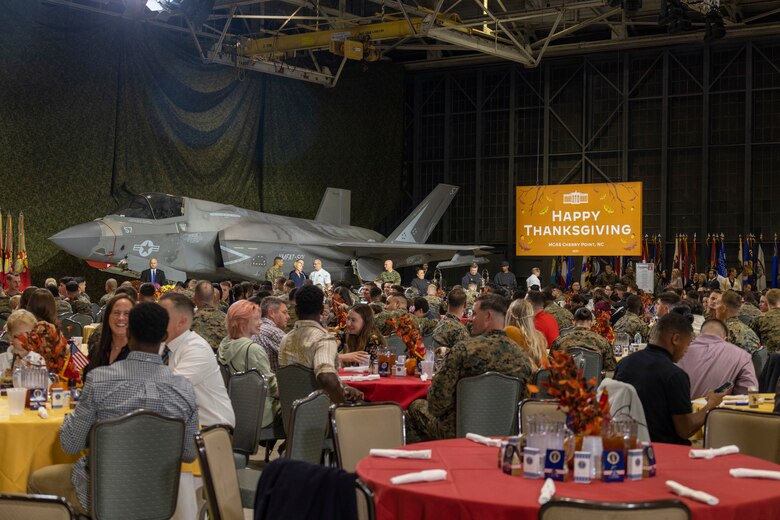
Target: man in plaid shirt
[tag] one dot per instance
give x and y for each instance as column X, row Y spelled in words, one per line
column 275, row 318
column 140, row 381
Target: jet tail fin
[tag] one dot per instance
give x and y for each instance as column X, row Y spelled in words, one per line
column 335, row 207
column 419, row 225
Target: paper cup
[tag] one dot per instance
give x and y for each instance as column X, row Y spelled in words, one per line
column 16, row 399
column 427, row 368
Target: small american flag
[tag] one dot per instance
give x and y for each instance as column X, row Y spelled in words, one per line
column 77, row 359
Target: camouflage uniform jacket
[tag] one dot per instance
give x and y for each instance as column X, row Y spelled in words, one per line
column 628, row 280
column 742, row 336
column 104, row 299
column 747, row 313
column 293, row 316
column 767, row 327
column 582, row 337
column 391, row 276
column 449, row 331
column 209, row 324
column 606, row 279
column 434, row 303
column 85, row 298
column 631, row 324
column 273, row 273
column 5, row 306
column 564, row 318
column 492, row 351
column 63, row 307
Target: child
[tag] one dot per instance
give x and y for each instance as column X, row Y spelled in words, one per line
column 19, row 323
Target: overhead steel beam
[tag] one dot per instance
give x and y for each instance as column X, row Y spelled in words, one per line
column 482, row 45
column 276, row 68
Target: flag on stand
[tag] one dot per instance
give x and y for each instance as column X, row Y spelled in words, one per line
column 569, row 271
column 722, row 257
column 2, row 254
column 22, row 267
column 8, row 256
column 713, row 242
column 645, row 251
column 775, row 281
column 685, row 262
column 585, row 273
column 694, row 262
column 748, row 273
column 659, row 254
column 676, row 261
column 741, row 259
column 555, row 271
column 760, row 266
column 74, row 363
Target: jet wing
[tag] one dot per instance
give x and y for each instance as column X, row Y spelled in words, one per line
column 404, row 254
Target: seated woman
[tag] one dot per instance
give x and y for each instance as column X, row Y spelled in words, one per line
column 361, row 339
column 43, row 306
column 19, row 323
column 239, row 353
column 111, row 345
column 520, row 329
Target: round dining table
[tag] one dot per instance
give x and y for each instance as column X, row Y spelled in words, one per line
column 475, row 488
column 401, row 390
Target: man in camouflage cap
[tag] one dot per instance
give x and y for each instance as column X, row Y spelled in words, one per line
column 632, row 321
column 564, row 318
column 739, row 334
column 450, row 330
column 582, row 336
column 767, row 326
column 490, row 350
column 208, row 321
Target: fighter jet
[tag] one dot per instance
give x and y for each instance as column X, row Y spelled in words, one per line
column 193, row 238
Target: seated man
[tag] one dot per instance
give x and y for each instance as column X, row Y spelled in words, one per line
column 140, row 381
column 275, row 318
column 489, row 350
column 739, row 334
column 662, row 386
column 450, row 330
column 632, row 323
column 712, row 361
column 208, row 321
column 582, row 336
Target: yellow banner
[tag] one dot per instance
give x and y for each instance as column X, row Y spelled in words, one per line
column 579, row 219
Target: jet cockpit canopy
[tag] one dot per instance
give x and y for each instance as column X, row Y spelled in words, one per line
column 152, row 206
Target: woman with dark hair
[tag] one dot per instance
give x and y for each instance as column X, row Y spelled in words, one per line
column 25, row 299
column 362, row 339
column 43, row 306
column 111, row 344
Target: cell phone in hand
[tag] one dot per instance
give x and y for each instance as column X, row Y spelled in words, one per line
column 724, row 387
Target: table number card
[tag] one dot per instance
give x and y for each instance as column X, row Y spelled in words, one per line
column 512, row 461
column 532, row 464
column 582, row 467
column 635, row 464
column 614, row 466
column 648, row 469
column 56, row 398
column 555, row 465
column 37, row 398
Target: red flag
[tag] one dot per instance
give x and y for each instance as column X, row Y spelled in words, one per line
column 694, row 263
column 22, row 267
column 8, row 256
column 2, row 254
column 685, row 273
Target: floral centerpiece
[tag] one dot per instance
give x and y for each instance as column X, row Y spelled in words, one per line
column 159, row 291
column 47, row 341
column 407, row 329
column 577, row 398
column 603, row 326
column 337, row 305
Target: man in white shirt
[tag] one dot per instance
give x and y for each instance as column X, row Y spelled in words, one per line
column 534, row 279
column 319, row 276
column 190, row 355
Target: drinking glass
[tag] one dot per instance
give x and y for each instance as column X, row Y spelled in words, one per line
column 16, row 398
column 427, row 368
column 545, row 434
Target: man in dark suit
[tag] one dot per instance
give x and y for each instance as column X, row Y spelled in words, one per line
column 153, row 275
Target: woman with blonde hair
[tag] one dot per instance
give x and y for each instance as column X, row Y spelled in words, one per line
column 520, row 329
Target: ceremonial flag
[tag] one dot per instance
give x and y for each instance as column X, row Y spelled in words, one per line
column 676, row 261
column 659, row 254
column 22, row 267
column 722, row 257
column 645, row 252
column 75, row 362
column 741, row 259
column 748, row 274
column 2, row 255
column 713, row 252
column 569, row 271
column 685, row 262
column 760, row 266
column 585, row 273
column 775, row 281
column 555, row 271
column 694, row 261
column 8, row 257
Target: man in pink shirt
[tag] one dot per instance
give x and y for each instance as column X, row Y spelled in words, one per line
column 711, row 361
column 543, row 321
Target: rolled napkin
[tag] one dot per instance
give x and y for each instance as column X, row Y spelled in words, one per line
column 487, row 441
column 42, row 413
column 400, row 454
column 754, row 473
column 362, row 368
column 714, row 452
column 429, row 475
column 368, row 377
column 738, row 397
column 423, row 377
column 548, row 490
column 683, row 491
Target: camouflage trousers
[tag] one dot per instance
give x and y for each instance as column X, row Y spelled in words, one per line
column 423, row 426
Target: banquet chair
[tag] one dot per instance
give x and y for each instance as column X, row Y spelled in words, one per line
column 366, row 510
column 487, row 404
column 542, row 376
column 135, row 465
column 227, row 491
column 295, row 382
column 71, row 327
column 591, row 361
column 359, row 427
column 756, row 434
column 83, row 319
column 760, row 358
column 39, row 507
column 95, row 310
column 248, row 391
column 568, row 508
column 396, row 345
column 534, row 406
column 308, row 427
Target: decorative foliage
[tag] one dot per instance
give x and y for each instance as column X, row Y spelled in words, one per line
column 406, row 328
column 158, row 293
column 603, row 326
column 337, row 305
column 47, row 341
column 576, row 397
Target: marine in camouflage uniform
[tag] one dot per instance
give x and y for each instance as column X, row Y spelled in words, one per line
column 390, row 276
column 564, row 318
column 209, row 323
column 79, row 306
column 63, row 307
column 605, row 279
column 586, row 338
column 631, row 324
column 767, row 327
column 293, row 316
column 747, row 313
column 434, row 304
column 104, row 299
column 434, row 418
column 5, row 306
column 471, row 297
column 85, row 298
column 273, row 273
column 742, row 336
column 449, row 331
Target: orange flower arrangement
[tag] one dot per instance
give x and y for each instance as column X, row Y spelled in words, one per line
column 341, row 315
column 603, row 326
column 576, row 397
column 159, row 291
column 406, row 328
column 47, row 341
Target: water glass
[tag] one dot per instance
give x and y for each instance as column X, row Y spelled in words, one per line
column 427, row 368
column 16, row 400
column 545, row 434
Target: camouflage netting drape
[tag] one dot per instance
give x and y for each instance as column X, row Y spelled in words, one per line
column 93, row 108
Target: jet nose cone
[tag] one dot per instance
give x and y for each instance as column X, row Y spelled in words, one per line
column 80, row 240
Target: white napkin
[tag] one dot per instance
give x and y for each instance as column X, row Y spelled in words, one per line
column 487, row 441
column 423, row 377
column 754, row 473
column 548, row 490
column 713, row 452
column 740, row 397
column 400, row 454
column 683, row 491
column 429, row 475
column 42, row 413
column 369, row 377
column 362, row 368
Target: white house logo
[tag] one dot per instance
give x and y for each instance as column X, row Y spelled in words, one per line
column 555, row 456
column 575, row 197
column 146, row 248
column 613, row 458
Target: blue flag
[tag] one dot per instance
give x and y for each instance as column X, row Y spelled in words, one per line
column 722, row 259
column 569, row 272
column 775, row 267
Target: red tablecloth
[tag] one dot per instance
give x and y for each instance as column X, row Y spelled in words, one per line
column 401, row 390
column 475, row 488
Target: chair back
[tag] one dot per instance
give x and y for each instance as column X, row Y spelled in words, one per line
column 359, row 427
column 225, row 371
column 295, row 382
column 548, row 407
column 542, row 376
column 487, row 404
column 429, row 342
column 215, row 454
column 760, row 358
column 71, row 327
column 308, row 426
column 396, row 345
column 38, row 507
column 247, row 391
column 83, row 319
column 95, row 308
column 756, row 434
column 365, row 501
column 568, row 508
column 590, row 361
column 135, row 463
